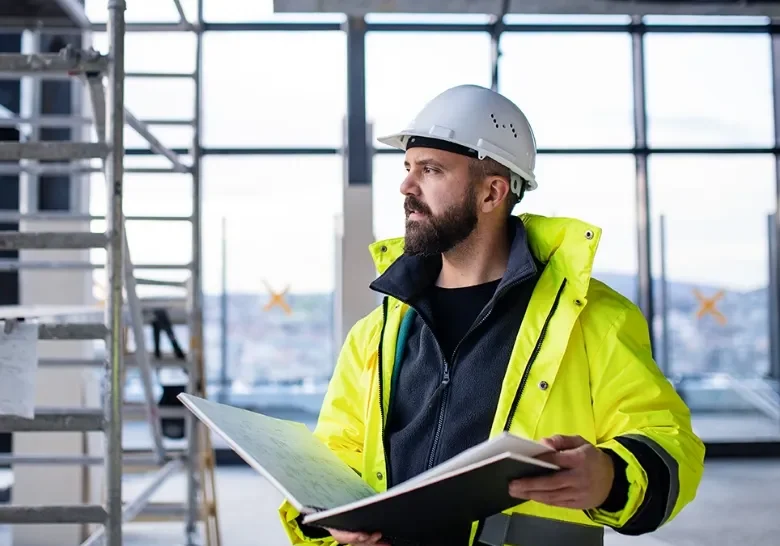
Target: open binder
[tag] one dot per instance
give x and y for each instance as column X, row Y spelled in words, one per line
column 469, row 487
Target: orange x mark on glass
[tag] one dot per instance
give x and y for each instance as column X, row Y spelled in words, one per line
column 708, row 306
column 277, row 298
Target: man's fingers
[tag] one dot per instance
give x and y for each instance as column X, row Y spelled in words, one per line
column 355, row 539
column 565, row 498
column 523, row 487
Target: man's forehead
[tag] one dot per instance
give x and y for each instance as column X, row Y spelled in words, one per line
column 426, row 156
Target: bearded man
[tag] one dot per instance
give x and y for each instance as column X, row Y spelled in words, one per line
column 492, row 322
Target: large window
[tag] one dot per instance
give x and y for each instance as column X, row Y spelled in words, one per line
column 575, row 89
column 712, row 293
column 709, row 90
column 274, row 89
column 279, row 213
column 268, row 237
column 404, row 70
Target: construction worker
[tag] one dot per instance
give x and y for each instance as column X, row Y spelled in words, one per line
column 492, row 322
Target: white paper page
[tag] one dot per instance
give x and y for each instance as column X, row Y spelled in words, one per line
column 285, row 452
column 18, row 368
column 504, row 443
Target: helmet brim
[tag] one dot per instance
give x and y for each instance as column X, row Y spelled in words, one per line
column 398, row 141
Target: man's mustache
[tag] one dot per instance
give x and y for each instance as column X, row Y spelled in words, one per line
column 412, row 204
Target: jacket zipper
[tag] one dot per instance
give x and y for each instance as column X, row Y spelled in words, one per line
column 446, row 378
column 532, row 358
column 381, row 390
column 442, row 409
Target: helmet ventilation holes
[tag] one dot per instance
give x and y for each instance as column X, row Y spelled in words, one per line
column 511, row 125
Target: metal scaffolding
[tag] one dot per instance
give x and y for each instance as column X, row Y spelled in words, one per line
column 103, row 76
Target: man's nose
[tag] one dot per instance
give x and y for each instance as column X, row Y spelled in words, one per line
column 409, row 185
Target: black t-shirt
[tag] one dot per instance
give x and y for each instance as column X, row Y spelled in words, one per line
column 454, row 311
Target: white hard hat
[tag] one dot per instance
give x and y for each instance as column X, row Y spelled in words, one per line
column 483, row 122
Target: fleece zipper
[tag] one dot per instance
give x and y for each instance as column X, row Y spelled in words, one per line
column 446, row 376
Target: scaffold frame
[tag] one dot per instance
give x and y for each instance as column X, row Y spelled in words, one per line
column 103, row 76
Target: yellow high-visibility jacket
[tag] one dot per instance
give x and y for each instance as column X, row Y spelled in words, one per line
column 593, row 376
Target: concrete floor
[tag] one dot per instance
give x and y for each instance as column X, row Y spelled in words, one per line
column 738, row 503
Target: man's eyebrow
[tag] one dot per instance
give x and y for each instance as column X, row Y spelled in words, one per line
column 425, row 161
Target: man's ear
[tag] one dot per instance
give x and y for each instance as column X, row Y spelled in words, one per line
column 498, row 190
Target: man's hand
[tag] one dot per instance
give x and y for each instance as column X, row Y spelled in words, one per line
column 357, row 539
column 583, row 482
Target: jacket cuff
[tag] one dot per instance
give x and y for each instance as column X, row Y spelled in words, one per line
column 652, row 512
column 618, row 494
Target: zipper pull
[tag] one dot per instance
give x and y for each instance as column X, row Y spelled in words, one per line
column 446, row 379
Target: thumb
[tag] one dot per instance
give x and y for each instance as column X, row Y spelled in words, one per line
column 560, row 442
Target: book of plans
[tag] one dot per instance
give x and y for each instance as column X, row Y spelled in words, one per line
column 468, row 487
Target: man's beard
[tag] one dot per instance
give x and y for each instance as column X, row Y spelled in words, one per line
column 434, row 235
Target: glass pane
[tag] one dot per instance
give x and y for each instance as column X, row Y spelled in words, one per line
column 169, row 136
column 164, row 194
column 599, row 190
column 144, row 11
column 279, row 231
column 389, row 172
column 232, row 11
column 716, row 311
column 158, row 52
column 151, row 242
column 295, row 97
column 160, row 243
column 160, row 98
column 573, row 186
column 709, row 90
column 574, row 88
column 405, row 70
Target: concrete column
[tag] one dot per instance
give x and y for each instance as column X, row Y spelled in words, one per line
column 58, row 387
column 354, row 230
column 354, row 267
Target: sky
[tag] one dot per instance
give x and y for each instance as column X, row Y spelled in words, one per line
column 274, row 89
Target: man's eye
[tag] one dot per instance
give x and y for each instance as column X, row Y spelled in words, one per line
column 430, row 170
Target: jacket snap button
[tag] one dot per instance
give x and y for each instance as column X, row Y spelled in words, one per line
column 543, row 385
column 383, row 249
column 378, row 475
column 577, row 302
column 589, row 234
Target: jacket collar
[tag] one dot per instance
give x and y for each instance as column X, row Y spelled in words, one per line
column 567, row 244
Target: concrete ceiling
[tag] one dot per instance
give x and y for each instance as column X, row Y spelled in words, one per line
column 767, row 8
